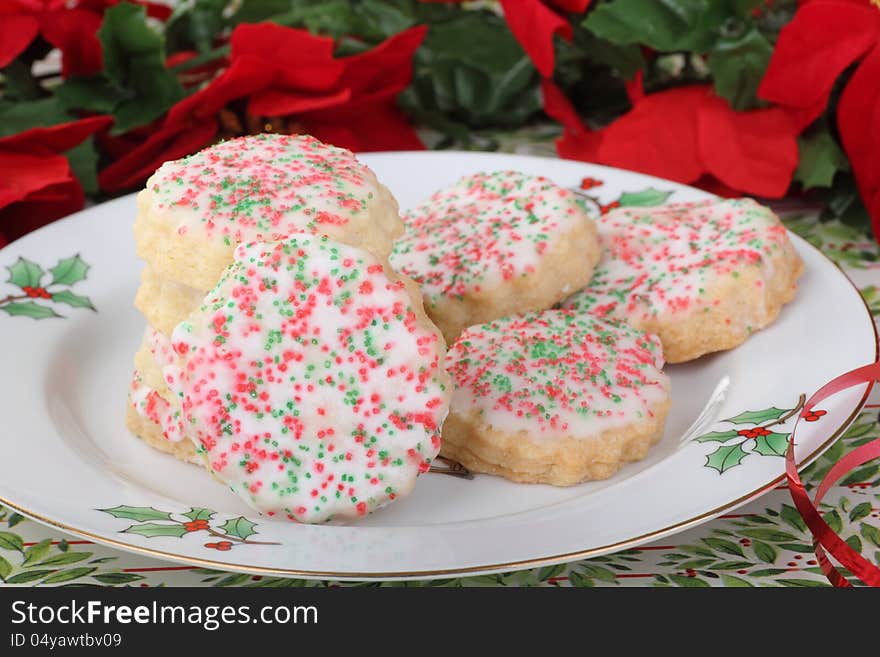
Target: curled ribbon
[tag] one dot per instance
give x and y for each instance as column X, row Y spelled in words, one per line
column 825, row 538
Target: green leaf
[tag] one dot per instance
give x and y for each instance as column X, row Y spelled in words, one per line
column 803, row 583
column 71, row 299
column 597, row 572
column 730, row 580
column 5, row 568
column 20, row 83
column 767, row 572
column 10, row 541
column 37, row 552
column 732, row 565
column 671, row 25
column 771, row 535
column 726, row 457
column 765, row 552
column 28, row 576
column 197, row 513
column 834, row 521
column 117, row 578
column 773, row 444
column 21, row 116
column 29, row 309
column 14, row 519
column 94, row 93
column 645, row 198
column 723, row 545
column 580, row 581
column 791, row 516
column 138, row 513
column 820, row 159
column 240, row 527
column 689, row 582
column 860, row 511
column 855, row 543
column 67, row 575
column 870, row 532
column 717, row 436
column 196, row 24
column 757, row 417
column 547, row 572
column 738, row 63
column 232, row 580
column 134, row 60
column 25, row 273
column 66, row 558
column 153, row 529
column 83, row 160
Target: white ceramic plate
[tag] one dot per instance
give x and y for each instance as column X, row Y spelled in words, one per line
column 67, row 460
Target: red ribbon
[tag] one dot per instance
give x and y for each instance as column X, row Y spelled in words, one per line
column 825, row 538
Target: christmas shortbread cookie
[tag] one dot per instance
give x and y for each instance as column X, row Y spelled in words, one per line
column 555, row 397
column 494, row 244
column 194, row 211
column 701, row 276
column 310, row 380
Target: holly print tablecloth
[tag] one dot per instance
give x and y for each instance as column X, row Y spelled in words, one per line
column 765, row 543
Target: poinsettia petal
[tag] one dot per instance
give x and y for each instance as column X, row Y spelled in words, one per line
column 274, row 102
column 858, row 114
column 300, row 59
column 534, row 25
column 823, row 38
column 658, row 136
column 383, row 128
column 75, row 33
column 168, row 144
column 56, row 138
column 22, row 174
column 577, row 142
column 16, row 34
column 754, row 151
column 41, row 208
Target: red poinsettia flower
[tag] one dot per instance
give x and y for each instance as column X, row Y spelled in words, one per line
column 534, row 23
column 72, row 30
column 823, row 39
column 690, row 135
column 285, row 72
column 36, row 183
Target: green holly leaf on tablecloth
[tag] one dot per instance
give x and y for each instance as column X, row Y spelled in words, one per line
column 68, row 575
column 66, row 558
column 74, row 300
column 69, row 271
column 773, row 444
column 197, row 513
column 138, row 513
column 10, row 541
column 820, row 159
column 154, row 529
column 726, row 457
column 717, row 436
column 240, row 527
column 5, row 568
column 29, row 309
column 36, row 552
column 738, row 62
column 25, row 273
column 757, row 417
column 117, row 578
column 643, row 199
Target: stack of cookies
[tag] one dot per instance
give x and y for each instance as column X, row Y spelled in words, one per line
column 275, row 247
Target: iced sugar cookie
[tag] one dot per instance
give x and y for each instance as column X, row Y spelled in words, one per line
column 494, row 244
column 702, row 276
column 194, row 211
column 555, row 397
column 311, row 380
column 154, row 416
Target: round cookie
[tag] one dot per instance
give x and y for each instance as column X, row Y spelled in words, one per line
column 311, row 381
column 495, row 244
column 554, row 397
column 165, row 302
column 194, row 211
column 701, row 276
